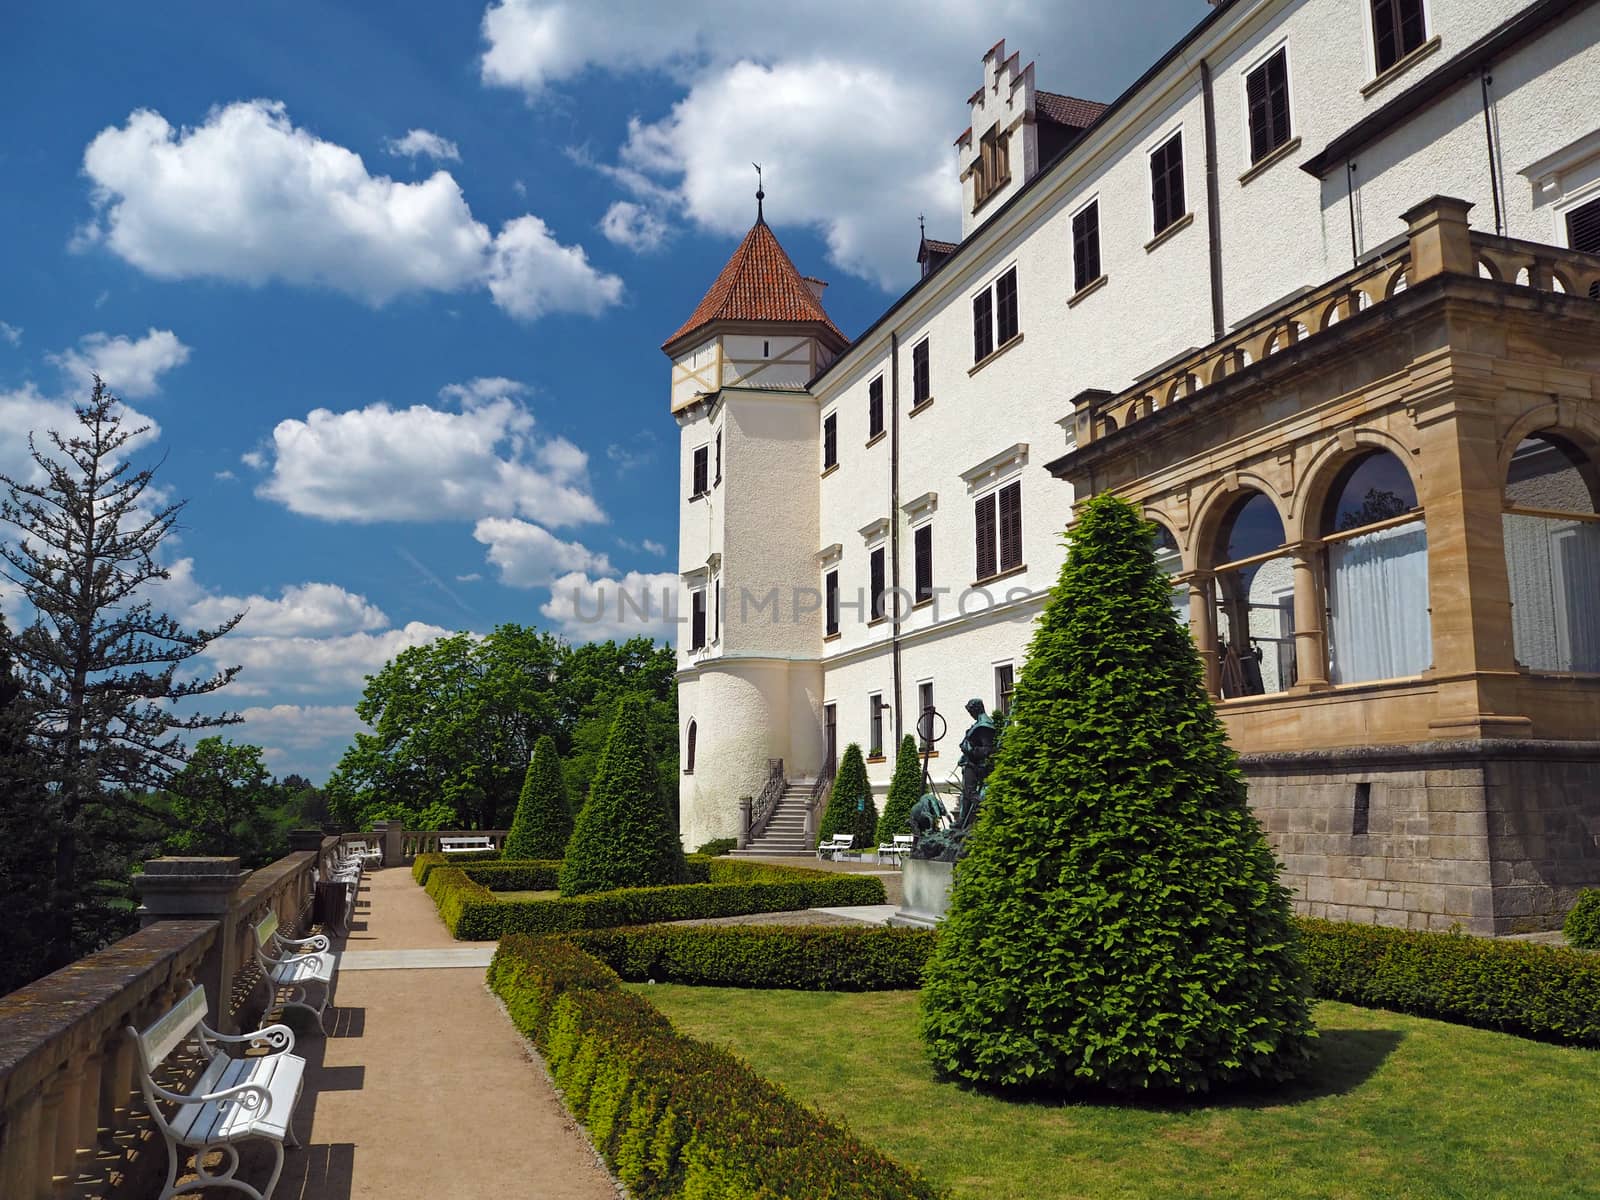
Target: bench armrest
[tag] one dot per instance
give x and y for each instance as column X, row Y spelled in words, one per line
column 316, row 941
column 252, row 1097
column 278, row 1039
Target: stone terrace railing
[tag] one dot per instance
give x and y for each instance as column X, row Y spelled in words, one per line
column 1438, row 241
column 426, row 841
column 72, row 1121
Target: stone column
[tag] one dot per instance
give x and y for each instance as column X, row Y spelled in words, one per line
column 393, row 834
column 198, row 889
column 1203, row 626
column 1441, row 241
column 1310, row 639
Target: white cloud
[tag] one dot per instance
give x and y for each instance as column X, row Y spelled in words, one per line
column 655, row 548
column 529, row 556
column 11, row 333
column 224, row 475
column 302, row 609
column 469, row 577
column 634, row 226
column 638, row 604
column 248, row 196
column 255, row 459
column 314, row 666
column 424, row 143
column 304, row 738
column 430, row 464
column 129, row 368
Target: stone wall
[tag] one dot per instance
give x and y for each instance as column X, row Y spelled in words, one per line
column 1495, row 836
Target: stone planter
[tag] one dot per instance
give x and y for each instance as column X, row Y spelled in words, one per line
column 927, row 893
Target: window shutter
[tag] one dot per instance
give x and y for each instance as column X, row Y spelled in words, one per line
column 1086, row 247
column 985, row 537
column 830, row 440
column 716, row 611
column 1583, row 228
column 1260, row 114
column 919, row 372
column 875, row 407
column 924, row 553
column 982, row 325
column 1413, row 28
column 698, row 483
column 1166, row 182
column 877, row 583
column 1006, row 306
column 697, row 629
column 830, row 585
column 719, row 457
column 1010, row 526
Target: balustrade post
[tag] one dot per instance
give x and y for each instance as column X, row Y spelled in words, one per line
column 190, row 889
column 1441, row 240
column 394, row 840
column 746, row 803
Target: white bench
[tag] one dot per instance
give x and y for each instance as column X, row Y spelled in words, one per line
column 897, row 849
column 836, row 845
column 232, row 1100
column 284, row 966
column 466, row 845
column 368, row 854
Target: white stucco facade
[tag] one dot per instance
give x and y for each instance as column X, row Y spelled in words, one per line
column 1362, row 148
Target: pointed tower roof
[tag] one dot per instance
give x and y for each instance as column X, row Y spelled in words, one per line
column 760, row 283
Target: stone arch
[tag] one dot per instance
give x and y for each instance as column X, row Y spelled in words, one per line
column 1214, row 507
column 1324, row 467
column 1576, row 425
column 1160, row 517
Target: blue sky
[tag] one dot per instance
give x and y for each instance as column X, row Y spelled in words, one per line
column 390, row 279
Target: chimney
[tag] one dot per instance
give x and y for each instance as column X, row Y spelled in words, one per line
column 816, row 285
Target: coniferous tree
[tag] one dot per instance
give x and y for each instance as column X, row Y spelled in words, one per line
column 850, row 797
column 26, row 847
column 1117, row 923
column 905, row 789
column 625, row 836
column 543, row 823
column 99, row 666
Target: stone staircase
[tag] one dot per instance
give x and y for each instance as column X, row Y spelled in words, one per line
column 786, row 832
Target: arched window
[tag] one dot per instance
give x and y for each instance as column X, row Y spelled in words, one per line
column 1170, row 560
column 1255, row 600
column 1377, row 547
column 1552, row 536
column 688, row 751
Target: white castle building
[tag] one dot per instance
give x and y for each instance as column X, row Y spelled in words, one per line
column 867, row 524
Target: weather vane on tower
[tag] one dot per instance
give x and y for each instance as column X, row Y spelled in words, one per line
column 760, row 194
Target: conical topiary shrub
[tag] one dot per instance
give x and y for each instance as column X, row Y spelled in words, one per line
column 1117, row 923
column 905, row 789
column 850, row 787
column 625, row 836
column 544, row 818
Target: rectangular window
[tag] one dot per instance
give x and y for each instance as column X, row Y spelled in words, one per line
column 1398, row 28
column 1005, row 307
column 984, row 513
column 922, row 540
column 924, row 721
column 1011, row 526
column 719, row 457
column 1583, row 229
column 1166, row 182
column 919, row 373
column 697, row 625
column 1086, row 246
column 830, row 591
column 716, row 610
column 877, row 584
column 1267, row 97
column 698, row 485
column 982, row 325
column 875, row 726
column 830, row 440
column 875, row 407
column 1004, row 685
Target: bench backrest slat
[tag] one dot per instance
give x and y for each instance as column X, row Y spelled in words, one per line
column 265, row 928
column 173, row 1027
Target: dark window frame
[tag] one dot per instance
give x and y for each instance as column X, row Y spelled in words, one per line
column 922, row 555
column 830, row 600
column 924, row 726
column 875, row 707
column 1086, row 245
column 700, row 472
column 877, row 582
column 982, row 325
column 718, row 478
column 1008, row 532
column 1583, row 227
column 1007, row 318
column 1267, row 111
column 920, row 379
column 1005, row 686
column 985, row 542
column 1399, row 28
column 875, row 407
column 697, row 619
column 830, row 441
column 1168, row 203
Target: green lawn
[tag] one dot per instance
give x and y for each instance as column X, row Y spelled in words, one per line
column 551, row 895
column 1400, row 1107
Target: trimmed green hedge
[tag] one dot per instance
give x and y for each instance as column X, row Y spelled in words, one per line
column 1582, row 926
column 1546, row 992
column 523, row 875
column 815, row 958
column 472, row 912
column 675, row 1117
column 422, row 864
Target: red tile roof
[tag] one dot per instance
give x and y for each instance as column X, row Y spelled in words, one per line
column 759, row 283
column 1067, row 110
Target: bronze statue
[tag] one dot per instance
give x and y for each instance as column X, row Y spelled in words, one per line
column 978, row 748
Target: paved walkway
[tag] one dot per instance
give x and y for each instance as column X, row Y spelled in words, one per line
column 424, row 1089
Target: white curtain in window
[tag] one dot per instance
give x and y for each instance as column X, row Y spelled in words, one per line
column 1554, row 568
column 1378, row 605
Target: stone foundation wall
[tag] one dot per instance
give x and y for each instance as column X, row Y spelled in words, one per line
column 1495, row 836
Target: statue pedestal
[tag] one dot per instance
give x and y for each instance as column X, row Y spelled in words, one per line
column 927, row 893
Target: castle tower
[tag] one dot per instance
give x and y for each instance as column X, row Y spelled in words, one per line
column 750, row 622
